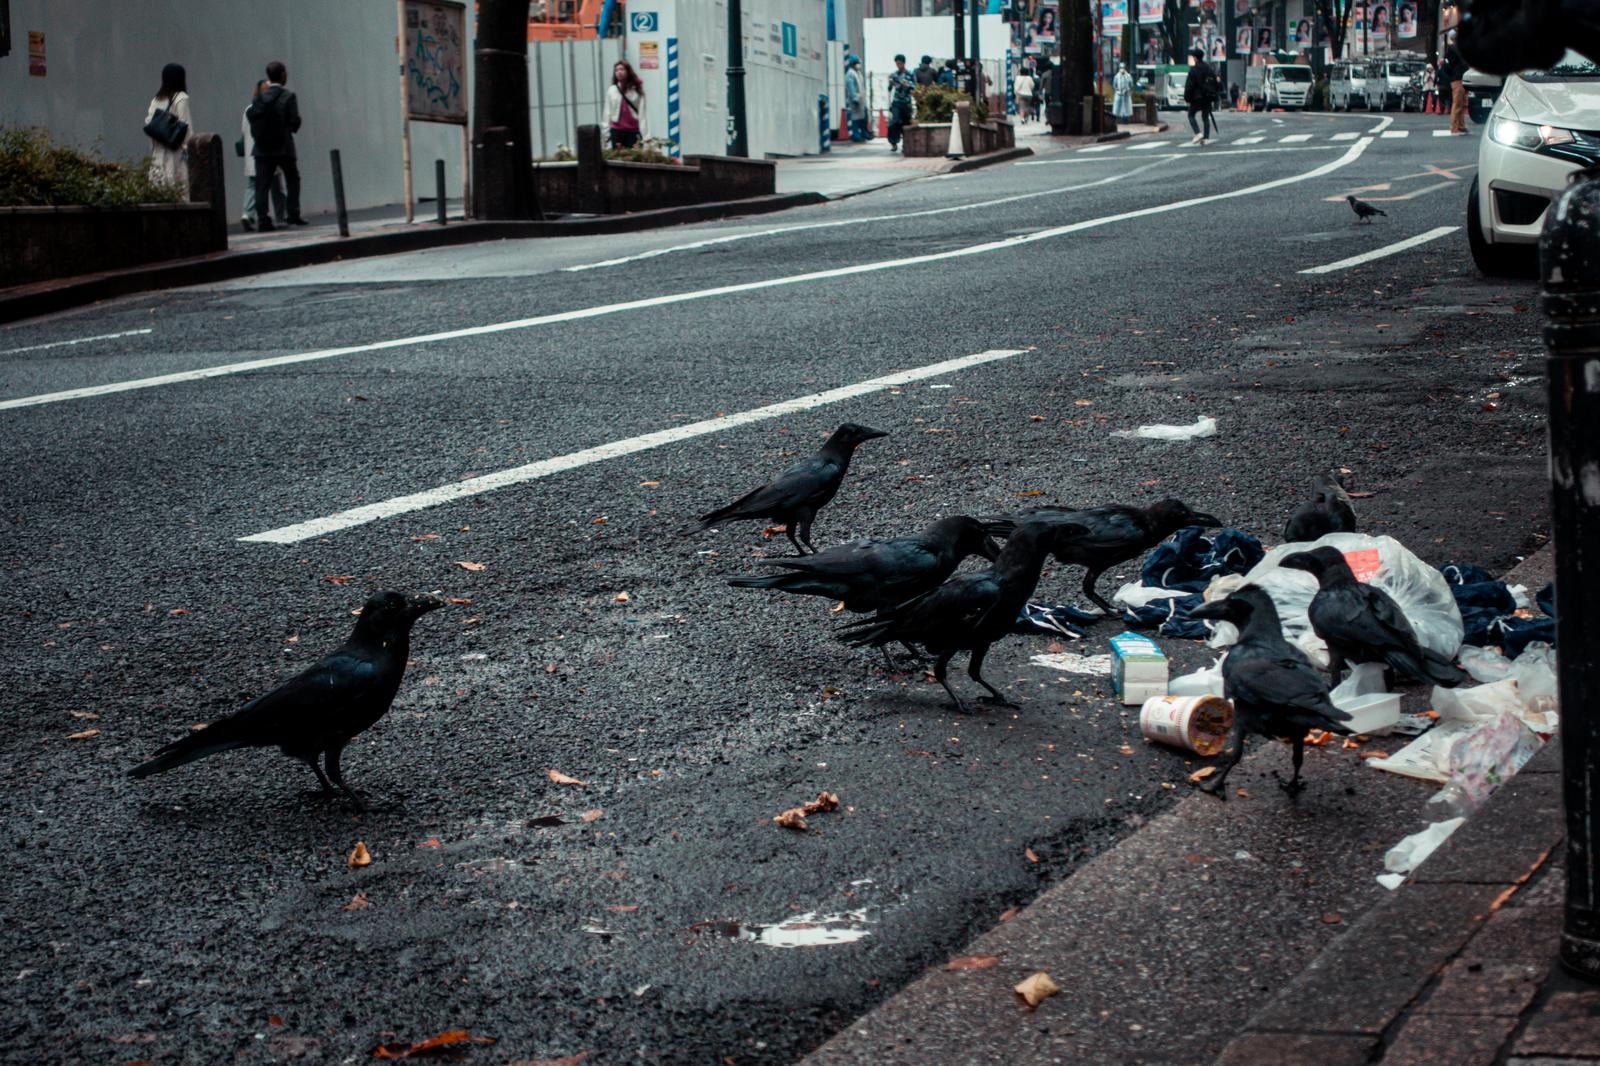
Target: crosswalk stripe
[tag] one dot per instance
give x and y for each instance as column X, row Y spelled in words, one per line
column 1346, row 136
column 1249, row 140
column 1100, row 148
column 1152, row 144
column 1293, row 137
column 1395, row 133
column 1441, row 133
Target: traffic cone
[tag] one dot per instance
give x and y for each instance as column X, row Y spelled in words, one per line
column 883, row 124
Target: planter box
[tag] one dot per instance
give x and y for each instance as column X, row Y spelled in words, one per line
column 992, row 137
column 564, row 188
column 926, row 140
column 41, row 243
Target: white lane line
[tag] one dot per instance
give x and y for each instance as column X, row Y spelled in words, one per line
column 1196, row 153
column 1249, row 140
column 1099, row 148
column 1350, row 155
column 80, row 340
column 1441, row 133
column 1378, row 253
column 1147, row 147
column 1395, row 134
column 835, row 223
column 457, row 490
column 1347, row 135
column 1383, row 124
column 1296, row 137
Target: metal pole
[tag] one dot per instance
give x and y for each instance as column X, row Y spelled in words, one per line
column 338, row 193
column 960, row 53
column 977, row 55
column 538, row 73
column 738, row 132
column 466, row 173
column 572, row 85
column 438, row 184
column 405, row 112
column 1570, row 252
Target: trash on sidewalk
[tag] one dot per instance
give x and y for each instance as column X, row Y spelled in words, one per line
column 1073, row 663
column 1197, row 723
column 1177, row 571
column 795, row 817
column 1036, row 989
column 1496, row 613
column 1206, row 681
column 1205, row 426
column 1138, row 668
column 1410, row 852
column 1372, row 709
column 1056, row 620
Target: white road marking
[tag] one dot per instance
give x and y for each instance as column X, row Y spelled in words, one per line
column 1197, row 153
column 457, row 490
column 1249, row 140
column 1100, row 147
column 1378, row 253
column 1147, row 147
column 835, row 223
column 1383, row 124
column 1441, row 133
column 1347, row 135
column 1294, row 137
column 80, row 340
column 1350, row 155
column 1395, row 134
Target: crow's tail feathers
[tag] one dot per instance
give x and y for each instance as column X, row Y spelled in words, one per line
column 868, row 632
column 194, row 746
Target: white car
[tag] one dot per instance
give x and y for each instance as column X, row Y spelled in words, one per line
column 1544, row 126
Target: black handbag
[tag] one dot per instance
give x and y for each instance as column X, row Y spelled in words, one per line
column 166, row 128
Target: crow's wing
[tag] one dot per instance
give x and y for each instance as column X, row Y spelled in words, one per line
column 1106, row 531
column 946, row 612
column 816, row 479
column 308, row 706
column 1281, row 685
column 869, row 574
column 1363, row 617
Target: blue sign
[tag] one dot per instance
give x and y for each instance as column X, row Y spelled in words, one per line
column 791, row 39
column 643, row 21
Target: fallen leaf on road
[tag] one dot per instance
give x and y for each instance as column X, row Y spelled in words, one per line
column 431, row 842
column 84, row 714
column 275, row 1019
column 426, row 536
column 461, row 601
column 1031, row 492
column 594, row 815
column 570, row 1060
column 1010, row 913
column 624, row 908
column 178, row 611
column 562, row 779
column 1332, row 918
column 648, row 484
column 85, row 735
column 358, row 902
column 360, row 856
column 1030, row 855
column 473, row 567
column 1202, row 773
column 1036, row 989
column 445, row 1041
column 621, row 597
column 795, row 817
column 972, row 962
column 1036, row 418
column 338, row 579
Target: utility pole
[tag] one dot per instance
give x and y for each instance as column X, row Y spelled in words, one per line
column 960, row 52
column 502, row 163
column 977, row 61
column 738, row 135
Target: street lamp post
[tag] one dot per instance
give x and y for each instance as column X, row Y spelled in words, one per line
column 738, row 137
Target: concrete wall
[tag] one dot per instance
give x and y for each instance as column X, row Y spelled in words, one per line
column 566, row 84
column 103, row 62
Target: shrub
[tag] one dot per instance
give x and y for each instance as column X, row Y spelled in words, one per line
column 36, row 172
column 937, row 103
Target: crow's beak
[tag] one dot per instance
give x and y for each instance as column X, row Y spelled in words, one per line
column 1298, row 561
column 1200, row 518
column 1216, row 610
column 423, row 602
column 873, row 434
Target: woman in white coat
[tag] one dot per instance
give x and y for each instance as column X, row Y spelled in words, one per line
column 171, row 165
column 625, row 107
column 247, row 143
column 1122, row 103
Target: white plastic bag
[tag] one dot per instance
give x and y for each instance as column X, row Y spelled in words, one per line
column 1206, row 682
column 1410, row 852
column 1483, row 665
column 1484, row 760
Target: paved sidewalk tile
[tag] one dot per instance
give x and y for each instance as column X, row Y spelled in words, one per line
column 1279, row 1049
column 1569, row 1024
column 1438, row 1040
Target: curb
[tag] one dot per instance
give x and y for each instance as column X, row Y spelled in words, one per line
column 49, row 297
column 989, row 159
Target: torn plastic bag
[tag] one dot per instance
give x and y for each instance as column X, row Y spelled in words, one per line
column 1410, row 852
column 1206, row 682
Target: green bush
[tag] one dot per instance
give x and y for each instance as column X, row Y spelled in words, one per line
column 36, row 172
column 937, row 103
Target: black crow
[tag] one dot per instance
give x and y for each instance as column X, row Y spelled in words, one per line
column 969, row 612
column 1362, row 623
column 317, row 712
column 1364, row 211
column 1275, row 690
column 1328, row 512
column 1110, row 535
column 798, row 494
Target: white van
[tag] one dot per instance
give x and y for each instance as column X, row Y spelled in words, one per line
column 1282, row 85
column 1347, row 83
column 1388, row 79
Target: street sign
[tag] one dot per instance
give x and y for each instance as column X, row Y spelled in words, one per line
column 435, row 61
column 791, row 39
column 644, row 21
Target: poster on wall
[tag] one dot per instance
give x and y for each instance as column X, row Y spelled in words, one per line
column 1152, row 43
column 1151, row 11
column 1300, row 35
column 1380, row 21
column 1264, row 39
column 1113, row 15
column 1406, row 20
column 435, row 65
column 1044, row 24
column 1243, row 38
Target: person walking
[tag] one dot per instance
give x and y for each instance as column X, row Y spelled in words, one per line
column 1451, row 70
column 947, row 76
column 855, row 100
column 925, row 73
column 1200, row 94
column 274, row 117
column 1122, row 101
column 246, row 145
column 1023, row 87
column 1430, row 90
column 625, row 122
column 169, row 163
column 901, row 85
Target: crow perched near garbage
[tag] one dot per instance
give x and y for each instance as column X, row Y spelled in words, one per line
column 969, row 612
column 800, row 492
column 1363, row 624
column 1111, row 535
column 1364, row 211
column 870, row 575
column 318, row 711
column 1328, row 512
column 1275, row 690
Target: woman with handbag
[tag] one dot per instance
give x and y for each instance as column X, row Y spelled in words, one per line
column 625, row 107
column 167, row 122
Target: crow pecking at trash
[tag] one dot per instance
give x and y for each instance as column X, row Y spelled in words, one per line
column 1364, row 211
column 1111, row 535
column 1275, row 690
column 1363, row 624
column 318, row 711
column 969, row 612
column 1328, row 512
column 800, row 492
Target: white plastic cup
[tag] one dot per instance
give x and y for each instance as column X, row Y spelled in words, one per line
column 1176, row 720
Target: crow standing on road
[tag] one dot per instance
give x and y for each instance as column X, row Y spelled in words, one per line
column 1328, row 512
column 1364, row 211
column 970, row 611
column 1363, row 624
column 798, row 494
column 317, row 712
column 1275, row 690
column 1111, row 535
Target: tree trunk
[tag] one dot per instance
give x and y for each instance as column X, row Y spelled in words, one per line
column 1075, row 73
column 502, row 152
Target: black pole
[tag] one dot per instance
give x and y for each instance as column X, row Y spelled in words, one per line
column 977, row 63
column 738, row 137
column 960, row 52
column 338, row 194
column 502, row 153
column 438, row 183
column 1570, row 251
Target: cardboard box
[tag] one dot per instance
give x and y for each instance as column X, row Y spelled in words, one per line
column 1138, row 668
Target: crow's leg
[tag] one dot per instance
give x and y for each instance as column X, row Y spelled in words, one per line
column 888, row 660
column 788, row 531
column 332, row 758
column 940, row 667
column 1236, row 739
column 975, row 671
column 1090, row 576
column 1336, row 665
column 327, row 786
column 804, row 519
column 1293, row 785
column 916, row 656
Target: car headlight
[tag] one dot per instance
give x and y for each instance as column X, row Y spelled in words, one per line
column 1527, row 135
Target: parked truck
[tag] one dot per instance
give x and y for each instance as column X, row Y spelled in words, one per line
column 1278, row 85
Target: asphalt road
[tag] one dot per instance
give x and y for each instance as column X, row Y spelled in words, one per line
column 210, row 913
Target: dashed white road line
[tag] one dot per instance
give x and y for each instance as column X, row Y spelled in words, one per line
column 1350, row 155
column 1296, row 137
column 476, row 486
column 1395, row 134
column 1441, row 133
column 1347, row 135
column 79, row 340
column 1147, row 147
column 1249, row 140
column 1383, row 123
column 1099, row 147
column 1379, row 253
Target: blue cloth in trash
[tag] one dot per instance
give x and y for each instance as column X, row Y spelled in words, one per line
column 1488, row 610
column 1056, row 620
column 1188, row 562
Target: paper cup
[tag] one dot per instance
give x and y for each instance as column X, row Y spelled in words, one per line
column 1196, row 723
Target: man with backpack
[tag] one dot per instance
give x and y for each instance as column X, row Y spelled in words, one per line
column 274, row 117
column 1200, row 91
